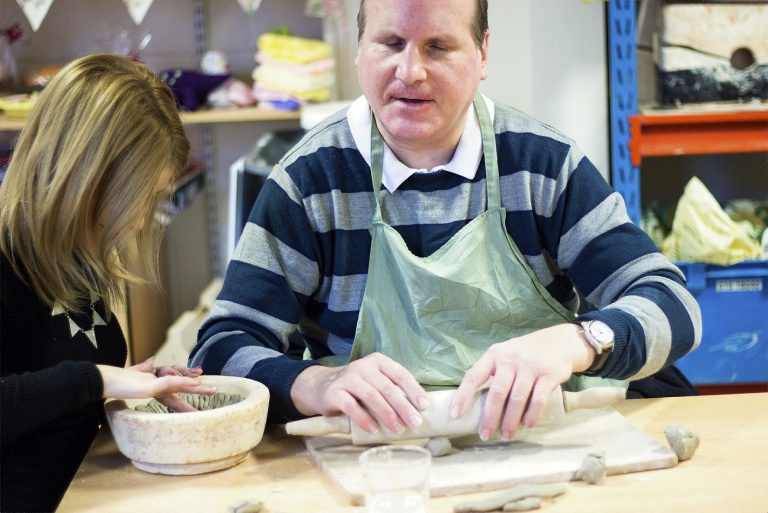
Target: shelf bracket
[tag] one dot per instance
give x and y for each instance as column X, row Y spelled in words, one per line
column 697, row 133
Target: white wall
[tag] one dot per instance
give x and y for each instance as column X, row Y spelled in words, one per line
column 510, row 54
column 548, row 58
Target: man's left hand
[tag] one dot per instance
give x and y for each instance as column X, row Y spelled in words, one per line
column 520, row 374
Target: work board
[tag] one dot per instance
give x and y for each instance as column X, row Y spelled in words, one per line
column 536, row 455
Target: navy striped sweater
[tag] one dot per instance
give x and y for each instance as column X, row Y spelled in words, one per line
column 298, row 274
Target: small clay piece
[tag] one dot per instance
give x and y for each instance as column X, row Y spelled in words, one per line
column 592, row 468
column 526, row 504
column 682, row 441
column 251, row 506
column 498, row 501
column 197, row 401
column 439, row 446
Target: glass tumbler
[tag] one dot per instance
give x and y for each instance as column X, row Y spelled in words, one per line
column 396, row 479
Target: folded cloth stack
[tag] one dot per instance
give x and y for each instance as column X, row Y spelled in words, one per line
column 292, row 70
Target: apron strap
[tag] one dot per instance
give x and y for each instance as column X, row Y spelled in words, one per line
column 489, row 153
column 377, row 165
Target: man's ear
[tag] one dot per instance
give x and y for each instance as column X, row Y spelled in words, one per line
column 484, row 57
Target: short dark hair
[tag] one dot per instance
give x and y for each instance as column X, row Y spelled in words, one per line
column 479, row 26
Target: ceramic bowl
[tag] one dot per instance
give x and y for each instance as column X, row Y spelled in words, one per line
column 195, row 442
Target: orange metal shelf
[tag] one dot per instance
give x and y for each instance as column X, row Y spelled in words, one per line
column 697, row 133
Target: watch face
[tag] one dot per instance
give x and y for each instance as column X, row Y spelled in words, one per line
column 601, row 332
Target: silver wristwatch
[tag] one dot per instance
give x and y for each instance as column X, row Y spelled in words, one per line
column 600, row 337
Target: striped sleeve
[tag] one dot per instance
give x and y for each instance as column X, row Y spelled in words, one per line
column 251, row 330
column 637, row 291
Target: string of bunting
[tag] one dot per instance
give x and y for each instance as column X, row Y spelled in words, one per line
column 36, row 10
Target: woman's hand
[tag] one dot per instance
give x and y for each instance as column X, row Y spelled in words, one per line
column 145, row 380
column 373, row 387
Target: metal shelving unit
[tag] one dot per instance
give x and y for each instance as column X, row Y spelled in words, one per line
column 691, row 130
column 622, row 72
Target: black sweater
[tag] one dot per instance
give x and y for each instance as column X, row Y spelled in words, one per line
column 50, row 394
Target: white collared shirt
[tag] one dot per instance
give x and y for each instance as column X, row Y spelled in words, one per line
column 464, row 162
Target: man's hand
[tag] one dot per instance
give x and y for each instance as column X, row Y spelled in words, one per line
column 521, row 374
column 371, row 388
column 145, row 380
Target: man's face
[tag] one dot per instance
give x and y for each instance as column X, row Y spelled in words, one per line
column 419, row 67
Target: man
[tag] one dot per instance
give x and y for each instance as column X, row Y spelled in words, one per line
column 462, row 269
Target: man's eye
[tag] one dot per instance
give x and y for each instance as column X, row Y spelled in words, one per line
column 393, row 43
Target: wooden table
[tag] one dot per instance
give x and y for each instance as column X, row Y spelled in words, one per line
column 728, row 473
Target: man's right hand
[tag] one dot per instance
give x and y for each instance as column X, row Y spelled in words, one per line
column 373, row 387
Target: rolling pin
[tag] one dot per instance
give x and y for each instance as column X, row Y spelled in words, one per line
column 437, row 421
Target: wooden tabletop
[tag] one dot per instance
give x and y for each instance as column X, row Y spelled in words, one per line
column 729, row 472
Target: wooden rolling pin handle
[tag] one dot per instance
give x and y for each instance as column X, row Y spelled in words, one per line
column 319, row 426
column 595, row 397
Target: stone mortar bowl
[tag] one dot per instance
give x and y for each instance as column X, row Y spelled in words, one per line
column 194, row 442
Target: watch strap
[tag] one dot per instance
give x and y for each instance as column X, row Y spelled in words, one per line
column 601, row 353
column 597, row 364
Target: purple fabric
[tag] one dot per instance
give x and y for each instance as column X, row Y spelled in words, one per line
column 282, row 105
column 191, row 87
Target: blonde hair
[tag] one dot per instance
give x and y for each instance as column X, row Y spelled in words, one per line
column 83, row 174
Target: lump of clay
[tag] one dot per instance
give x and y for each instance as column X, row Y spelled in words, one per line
column 592, row 468
column 682, row 441
column 251, row 506
column 507, row 498
column 197, row 401
column 526, row 504
column 439, row 446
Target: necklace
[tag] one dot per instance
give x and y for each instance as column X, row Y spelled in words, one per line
column 74, row 328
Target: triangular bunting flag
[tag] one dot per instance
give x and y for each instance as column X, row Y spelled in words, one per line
column 138, row 9
column 35, row 11
column 325, row 8
column 249, row 6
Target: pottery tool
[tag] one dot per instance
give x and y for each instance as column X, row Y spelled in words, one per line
column 437, row 421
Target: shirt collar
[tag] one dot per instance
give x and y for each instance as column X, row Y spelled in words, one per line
column 464, row 162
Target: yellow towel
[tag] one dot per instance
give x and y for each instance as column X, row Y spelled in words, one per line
column 293, row 49
column 17, row 106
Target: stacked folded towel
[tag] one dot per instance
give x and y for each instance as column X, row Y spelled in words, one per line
column 292, row 70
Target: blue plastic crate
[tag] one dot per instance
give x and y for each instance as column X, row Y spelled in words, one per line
column 734, row 309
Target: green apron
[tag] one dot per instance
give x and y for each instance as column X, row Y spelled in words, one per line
column 437, row 315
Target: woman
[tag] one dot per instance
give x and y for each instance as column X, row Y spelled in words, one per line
column 96, row 155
